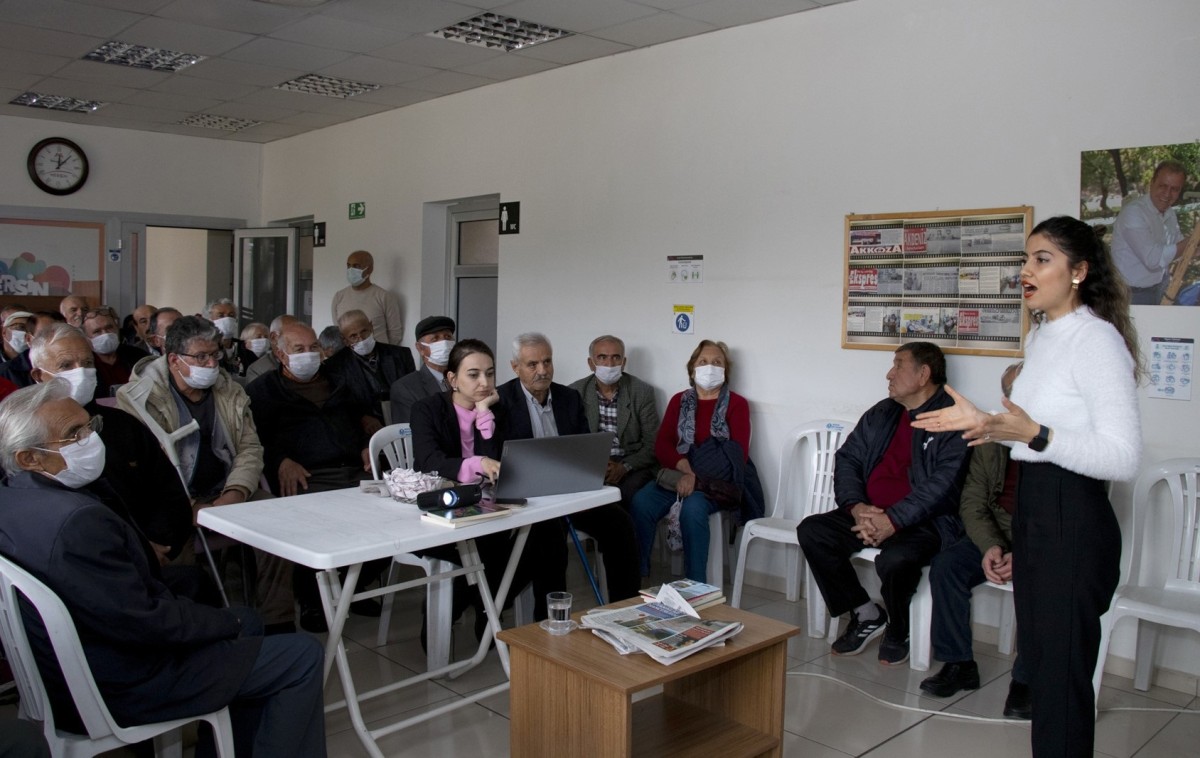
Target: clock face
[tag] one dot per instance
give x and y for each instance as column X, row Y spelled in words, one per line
column 58, row 166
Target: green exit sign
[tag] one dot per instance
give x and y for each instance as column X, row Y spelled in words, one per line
column 358, row 210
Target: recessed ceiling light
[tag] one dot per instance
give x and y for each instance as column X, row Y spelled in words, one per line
column 56, row 102
column 499, row 32
column 138, row 56
column 225, row 123
column 315, row 84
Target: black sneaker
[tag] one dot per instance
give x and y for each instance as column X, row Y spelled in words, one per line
column 859, row 633
column 953, row 678
column 1018, row 704
column 893, row 653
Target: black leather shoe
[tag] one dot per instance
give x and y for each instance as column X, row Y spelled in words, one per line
column 369, row 607
column 953, row 678
column 313, row 620
column 1019, row 703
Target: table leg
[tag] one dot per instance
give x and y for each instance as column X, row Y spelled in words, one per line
column 469, row 555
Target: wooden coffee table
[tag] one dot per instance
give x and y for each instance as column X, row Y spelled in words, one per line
column 574, row 695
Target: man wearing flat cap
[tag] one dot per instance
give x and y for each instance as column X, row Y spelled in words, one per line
column 435, row 338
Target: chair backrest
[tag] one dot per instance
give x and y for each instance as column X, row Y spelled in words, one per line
column 395, row 442
column 806, row 469
column 1182, row 560
column 15, row 581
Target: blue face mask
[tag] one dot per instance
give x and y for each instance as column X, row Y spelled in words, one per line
column 355, row 276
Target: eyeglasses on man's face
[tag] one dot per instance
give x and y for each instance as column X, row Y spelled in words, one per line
column 83, row 435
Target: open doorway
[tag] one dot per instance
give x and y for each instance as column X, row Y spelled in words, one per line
column 177, row 259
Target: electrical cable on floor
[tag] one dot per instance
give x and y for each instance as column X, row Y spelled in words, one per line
column 964, row 716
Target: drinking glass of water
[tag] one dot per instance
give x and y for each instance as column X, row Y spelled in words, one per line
column 558, row 605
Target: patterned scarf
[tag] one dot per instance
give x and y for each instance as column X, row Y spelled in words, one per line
column 686, row 430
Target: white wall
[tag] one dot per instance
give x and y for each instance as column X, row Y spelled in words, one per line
column 176, row 259
column 749, row 146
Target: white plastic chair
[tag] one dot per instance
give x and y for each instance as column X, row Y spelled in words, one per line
column 103, row 733
column 811, row 469
column 1174, row 599
column 394, row 442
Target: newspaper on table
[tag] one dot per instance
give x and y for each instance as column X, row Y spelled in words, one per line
column 667, row 629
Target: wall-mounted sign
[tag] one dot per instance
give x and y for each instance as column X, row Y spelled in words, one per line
column 683, row 319
column 510, row 218
column 358, row 210
column 685, row 269
column 1171, row 367
column 319, row 233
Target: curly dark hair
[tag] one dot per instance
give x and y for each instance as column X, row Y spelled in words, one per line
column 1103, row 289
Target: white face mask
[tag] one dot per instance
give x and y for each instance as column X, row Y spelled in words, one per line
column 105, row 344
column 85, row 462
column 16, row 340
column 364, row 347
column 709, row 377
column 609, row 374
column 355, row 276
column 82, row 381
column 439, row 352
column 228, row 326
column 260, row 345
column 200, row 377
column 304, row 366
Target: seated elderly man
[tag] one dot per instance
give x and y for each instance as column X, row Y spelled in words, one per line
column 114, row 361
column 537, row 407
column 622, row 405
column 149, row 492
column 72, row 308
column 156, row 331
column 222, row 461
column 223, row 314
column 314, row 435
column 141, row 325
column 19, row 327
column 253, row 344
column 268, row 362
column 154, row 655
column 435, row 340
column 897, row 489
column 369, row 368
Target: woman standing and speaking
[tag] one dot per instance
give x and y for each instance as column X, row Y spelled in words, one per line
column 1073, row 424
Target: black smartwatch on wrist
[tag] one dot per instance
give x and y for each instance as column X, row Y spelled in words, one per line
column 1038, row 443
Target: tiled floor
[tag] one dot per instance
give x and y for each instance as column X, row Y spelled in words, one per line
column 824, row 717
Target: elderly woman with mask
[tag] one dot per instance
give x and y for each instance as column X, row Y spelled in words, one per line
column 703, row 446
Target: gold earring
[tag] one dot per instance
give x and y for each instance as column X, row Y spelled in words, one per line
column 1075, row 283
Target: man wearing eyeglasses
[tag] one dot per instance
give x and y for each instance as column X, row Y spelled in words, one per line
column 147, row 490
column 114, row 360
column 154, row 655
column 222, row 461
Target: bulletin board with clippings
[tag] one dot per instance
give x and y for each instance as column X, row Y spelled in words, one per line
column 948, row 277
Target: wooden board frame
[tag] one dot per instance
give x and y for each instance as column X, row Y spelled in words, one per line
column 949, row 277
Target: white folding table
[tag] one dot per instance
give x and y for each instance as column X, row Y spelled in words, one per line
column 346, row 528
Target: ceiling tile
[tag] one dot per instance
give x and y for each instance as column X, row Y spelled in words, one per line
column 396, row 97
column 438, row 53
column 41, row 114
column 138, row 113
column 274, row 52
column 295, row 101
column 38, row 40
column 363, row 68
column 183, row 38
column 312, row 120
column 724, row 14
column 338, row 34
column 402, row 15
column 351, row 108
column 251, row 111
column 32, row 63
column 240, row 72
column 577, row 15
column 275, row 131
column 669, row 5
column 108, row 73
column 67, row 17
column 151, row 99
column 18, row 80
column 654, row 30
column 187, row 131
column 191, row 86
column 137, row 6
column 573, row 49
column 508, row 67
column 109, row 93
column 234, row 15
column 447, row 82
column 259, row 138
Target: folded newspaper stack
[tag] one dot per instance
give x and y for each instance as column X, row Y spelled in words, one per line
column 667, row 629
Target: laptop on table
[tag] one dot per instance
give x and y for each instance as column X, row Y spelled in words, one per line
column 552, row 466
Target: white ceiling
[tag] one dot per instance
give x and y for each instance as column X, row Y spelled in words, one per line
column 253, row 45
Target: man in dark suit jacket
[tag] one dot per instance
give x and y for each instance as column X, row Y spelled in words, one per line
column 155, row 656
column 435, row 339
column 537, row 407
column 368, row 368
column 629, row 412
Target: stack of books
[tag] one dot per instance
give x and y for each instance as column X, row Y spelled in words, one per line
column 455, row 518
column 698, row 594
column 667, row 629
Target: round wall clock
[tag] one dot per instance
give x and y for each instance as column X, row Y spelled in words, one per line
column 58, row 166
